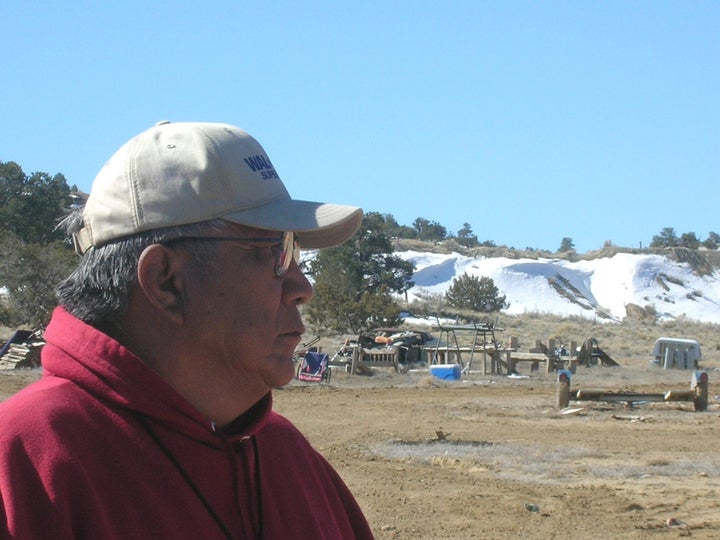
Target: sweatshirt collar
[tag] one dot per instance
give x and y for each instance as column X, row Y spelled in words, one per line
column 96, row 362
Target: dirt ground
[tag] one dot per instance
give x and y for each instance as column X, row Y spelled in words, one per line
column 493, row 457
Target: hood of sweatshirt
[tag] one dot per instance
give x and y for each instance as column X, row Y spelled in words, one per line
column 100, row 365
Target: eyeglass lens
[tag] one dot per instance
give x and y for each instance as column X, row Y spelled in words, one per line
column 290, row 251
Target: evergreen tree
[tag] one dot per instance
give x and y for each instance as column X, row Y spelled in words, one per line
column 476, row 294
column 689, row 240
column 712, row 241
column 566, row 245
column 430, row 231
column 29, row 272
column 666, row 238
column 30, row 206
column 393, row 229
column 465, row 236
column 355, row 281
column 33, row 254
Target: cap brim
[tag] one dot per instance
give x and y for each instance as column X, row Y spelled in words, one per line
column 319, row 225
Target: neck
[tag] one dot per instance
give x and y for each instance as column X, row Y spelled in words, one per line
column 192, row 372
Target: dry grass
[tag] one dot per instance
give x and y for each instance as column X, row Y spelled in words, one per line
column 625, row 340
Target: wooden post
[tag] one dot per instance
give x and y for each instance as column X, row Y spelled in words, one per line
column 563, row 389
column 512, row 345
column 554, row 362
column 509, row 362
column 485, row 354
column 700, row 385
column 355, row 358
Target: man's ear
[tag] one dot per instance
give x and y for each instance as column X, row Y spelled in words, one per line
column 161, row 280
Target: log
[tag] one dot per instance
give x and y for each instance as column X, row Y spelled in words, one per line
column 679, row 395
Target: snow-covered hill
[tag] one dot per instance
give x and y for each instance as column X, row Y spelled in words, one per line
column 598, row 289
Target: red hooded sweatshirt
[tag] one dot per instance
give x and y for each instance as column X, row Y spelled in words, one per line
column 103, row 448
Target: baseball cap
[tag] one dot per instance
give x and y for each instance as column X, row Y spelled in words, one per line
column 187, row 172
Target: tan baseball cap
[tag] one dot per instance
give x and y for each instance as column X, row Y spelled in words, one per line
column 188, row 172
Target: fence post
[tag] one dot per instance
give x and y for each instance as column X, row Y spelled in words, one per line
column 563, row 388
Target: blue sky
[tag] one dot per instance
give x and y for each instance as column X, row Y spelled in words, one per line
column 529, row 120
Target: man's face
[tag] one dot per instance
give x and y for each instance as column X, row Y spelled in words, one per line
column 245, row 317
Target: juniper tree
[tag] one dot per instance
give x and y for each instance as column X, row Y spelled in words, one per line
column 476, row 294
column 355, row 281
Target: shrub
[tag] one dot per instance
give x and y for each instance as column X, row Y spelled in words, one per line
column 477, row 294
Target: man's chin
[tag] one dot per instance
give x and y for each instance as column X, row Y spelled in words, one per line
column 282, row 371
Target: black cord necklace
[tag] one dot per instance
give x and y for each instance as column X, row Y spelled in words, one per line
column 221, row 525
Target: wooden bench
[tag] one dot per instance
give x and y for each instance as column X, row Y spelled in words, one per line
column 551, row 363
column 369, row 358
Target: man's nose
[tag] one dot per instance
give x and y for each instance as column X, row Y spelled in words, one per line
column 297, row 288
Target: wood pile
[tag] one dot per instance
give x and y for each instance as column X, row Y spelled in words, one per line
column 22, row 351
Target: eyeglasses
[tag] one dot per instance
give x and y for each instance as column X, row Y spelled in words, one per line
column 286, row 248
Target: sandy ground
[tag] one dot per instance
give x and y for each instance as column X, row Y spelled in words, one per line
column 493, row 457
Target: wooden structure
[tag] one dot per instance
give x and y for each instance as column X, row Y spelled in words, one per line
column 501, row 359
column 590, row 354
column 540, row 354
column 363, row 358
column 552, row 363
column 22, row 350
column 698, row 393
column 449, row 350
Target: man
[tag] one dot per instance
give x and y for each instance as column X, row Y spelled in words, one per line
column 154, row 417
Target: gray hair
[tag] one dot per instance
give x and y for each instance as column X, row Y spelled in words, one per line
column 98, row 290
